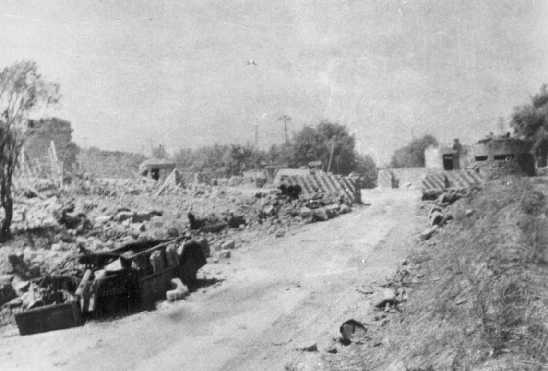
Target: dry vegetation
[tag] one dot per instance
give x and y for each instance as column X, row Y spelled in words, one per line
column 478, row 294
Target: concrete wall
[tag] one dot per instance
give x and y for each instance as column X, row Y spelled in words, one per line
column 109, row 164
column 401, row 177
column 462, row 159
column 500, row 147
column 499, row 156
column 433, row 157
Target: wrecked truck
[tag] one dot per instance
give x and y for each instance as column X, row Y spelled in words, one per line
column 130, row 278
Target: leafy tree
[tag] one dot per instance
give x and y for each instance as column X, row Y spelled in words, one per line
column 328, row 142
column 209, row 157
column 309, row 144
column 412, row 154
column 530, row 122
column 233, row 159
column 237, row 158
column 22, row 92
column 367, row 170
column 184, row 158
column 281, row 154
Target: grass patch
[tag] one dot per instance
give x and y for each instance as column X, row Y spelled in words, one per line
column 482, row 299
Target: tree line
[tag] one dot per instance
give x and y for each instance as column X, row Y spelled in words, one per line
column 328, row 143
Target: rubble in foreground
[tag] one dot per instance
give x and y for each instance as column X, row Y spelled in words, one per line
column 53, row 228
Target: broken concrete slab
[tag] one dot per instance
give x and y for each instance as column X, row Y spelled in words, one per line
column 428, row 233
column 308, row 347
column 384, row 296
column 305, row 212
column 228, row 245
column 179, row 292
column 223, row 254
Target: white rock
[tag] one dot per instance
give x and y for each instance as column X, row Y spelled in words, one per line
column 179, row 292
column 228, row 245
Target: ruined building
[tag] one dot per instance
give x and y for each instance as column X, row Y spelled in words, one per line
column 497, row 155
column 156, row 168
column 38, row 137
column 445, row 157
column 459, row 166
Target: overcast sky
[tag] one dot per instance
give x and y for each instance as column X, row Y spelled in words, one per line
column 137, row 72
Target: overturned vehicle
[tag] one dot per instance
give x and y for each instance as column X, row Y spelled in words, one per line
column 130, row 278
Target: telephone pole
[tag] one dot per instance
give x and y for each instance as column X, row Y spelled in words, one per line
column 332, row 150
column 285, row 119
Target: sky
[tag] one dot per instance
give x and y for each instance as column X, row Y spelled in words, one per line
column 137, row 73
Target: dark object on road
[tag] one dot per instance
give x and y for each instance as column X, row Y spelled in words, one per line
column 196, row 223
column 234, row 221
column 72, row 220
column 136, row 275
column 293, row 191
column 352, row 330
column 212, row 225
column 50, row 304
column 49, row 317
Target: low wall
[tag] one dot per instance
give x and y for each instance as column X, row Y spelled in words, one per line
column 401, row 177
column 327, row 183
column 429, row 180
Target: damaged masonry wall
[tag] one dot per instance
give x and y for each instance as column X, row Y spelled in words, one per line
column 39, row 135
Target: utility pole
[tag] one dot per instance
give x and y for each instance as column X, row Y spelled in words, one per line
column 285, row 119
column 331, row 155
column 256, row 135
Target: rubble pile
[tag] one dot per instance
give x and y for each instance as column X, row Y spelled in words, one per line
column 438, row 214
column 55, row 226
column 88, row 185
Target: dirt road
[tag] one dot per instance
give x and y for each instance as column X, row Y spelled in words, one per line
column 277, row 295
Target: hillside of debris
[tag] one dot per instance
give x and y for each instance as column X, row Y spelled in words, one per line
column 474, row 295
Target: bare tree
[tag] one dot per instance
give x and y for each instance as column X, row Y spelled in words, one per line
column 22, row 91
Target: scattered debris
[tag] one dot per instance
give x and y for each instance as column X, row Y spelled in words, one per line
column 352, row 331
column 224, row 255
column 179, row 292
column 7, row 292
column 386, row 296
column 308, row 348
column 228, row 245
column 84, row 231
column 435, row 216
column 428, row 233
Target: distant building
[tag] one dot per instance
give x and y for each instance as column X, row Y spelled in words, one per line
column 448, row 157
column 493, row 153
column 504, row 154
column 156, row 168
